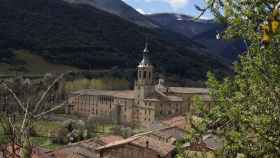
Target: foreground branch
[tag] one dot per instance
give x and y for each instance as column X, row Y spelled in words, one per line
column 47, row 91
column 19, row 102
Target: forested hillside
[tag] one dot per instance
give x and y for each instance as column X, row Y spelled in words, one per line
column 87, row 38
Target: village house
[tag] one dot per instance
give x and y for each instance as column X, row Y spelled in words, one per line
column 147, row 103
column 137, row 147
column 169, row 135
column 113, row 146
column 86, row 148
column 171, row 130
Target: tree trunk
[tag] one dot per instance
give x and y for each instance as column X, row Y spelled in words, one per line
column 26, row 151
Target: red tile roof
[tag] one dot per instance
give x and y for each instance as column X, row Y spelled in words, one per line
column 188, row 90
column 143, row 141
column 126, row 94
column 110, row 139
column 39, row 153
column 84, row 148
column 77, row 150
column 178, row 121
column 158, row 146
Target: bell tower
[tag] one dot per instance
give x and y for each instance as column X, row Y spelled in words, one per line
column 144, row 85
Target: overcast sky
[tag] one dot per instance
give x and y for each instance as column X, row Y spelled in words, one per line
column 170, row 6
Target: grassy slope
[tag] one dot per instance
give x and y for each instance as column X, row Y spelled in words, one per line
column 33, row 64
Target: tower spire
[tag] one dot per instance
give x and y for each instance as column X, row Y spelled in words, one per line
column 146, row 58
column 146, row 50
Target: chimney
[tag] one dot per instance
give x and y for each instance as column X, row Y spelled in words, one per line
column 147, row 144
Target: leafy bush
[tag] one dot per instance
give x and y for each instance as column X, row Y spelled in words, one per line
column 91, row 125
column 60, row 136
column 123, row 131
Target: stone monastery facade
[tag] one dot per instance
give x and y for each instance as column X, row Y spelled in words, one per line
column 147, row 103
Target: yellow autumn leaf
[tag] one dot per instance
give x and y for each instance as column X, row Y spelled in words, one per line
column 266, row 38
column 275, row 26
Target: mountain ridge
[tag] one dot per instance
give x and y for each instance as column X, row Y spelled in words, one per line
column 201, row 31
column 180, row 24
column 119, row 8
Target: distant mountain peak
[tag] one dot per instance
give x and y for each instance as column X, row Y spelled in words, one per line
column 119, row 8
column 179, row 17
column 202, row 31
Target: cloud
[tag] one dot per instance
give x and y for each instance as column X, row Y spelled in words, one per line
column 141, row 11
column 175, row 4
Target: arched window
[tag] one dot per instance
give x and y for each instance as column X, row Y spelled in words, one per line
column 150, row 75
column 145, row 74
column 139, row 74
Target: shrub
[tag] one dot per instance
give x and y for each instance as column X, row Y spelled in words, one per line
column 60, row 136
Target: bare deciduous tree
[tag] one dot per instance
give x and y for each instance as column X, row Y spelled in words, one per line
column 32, row 107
